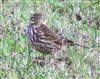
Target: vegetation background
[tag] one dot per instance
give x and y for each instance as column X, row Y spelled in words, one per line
column 81, row 22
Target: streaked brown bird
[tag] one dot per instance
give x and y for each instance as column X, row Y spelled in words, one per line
column 42, row 38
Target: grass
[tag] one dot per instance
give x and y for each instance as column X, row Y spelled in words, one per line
column 16, row 57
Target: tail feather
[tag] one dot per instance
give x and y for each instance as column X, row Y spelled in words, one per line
column 71, row 43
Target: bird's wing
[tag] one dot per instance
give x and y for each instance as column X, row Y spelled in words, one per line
column 48, row 33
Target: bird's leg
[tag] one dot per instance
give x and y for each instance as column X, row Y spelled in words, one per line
column 62, row 42
column 40, row 60
column 52, row 60
column 53, row 51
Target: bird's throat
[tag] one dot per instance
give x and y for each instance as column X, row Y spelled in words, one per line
column 36, row 24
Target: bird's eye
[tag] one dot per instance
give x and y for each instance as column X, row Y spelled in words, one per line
column 34, row 18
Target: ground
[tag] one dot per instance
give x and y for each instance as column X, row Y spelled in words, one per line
column 80, row 21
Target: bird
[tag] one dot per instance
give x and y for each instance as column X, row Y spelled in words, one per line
column 44, row 39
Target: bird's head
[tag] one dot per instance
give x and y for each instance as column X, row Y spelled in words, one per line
column 36, row 18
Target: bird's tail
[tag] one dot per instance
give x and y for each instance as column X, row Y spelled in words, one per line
column 71, row 43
